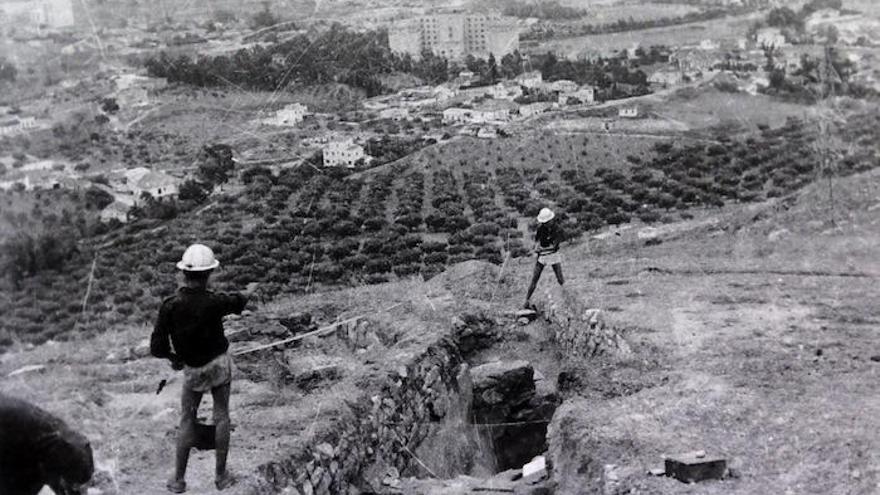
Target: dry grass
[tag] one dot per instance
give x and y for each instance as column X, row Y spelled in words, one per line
column 768, row 369
column 684, row 34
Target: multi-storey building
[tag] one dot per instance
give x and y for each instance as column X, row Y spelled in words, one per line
column 36, row 13
column 343, row 153
column 456, row 35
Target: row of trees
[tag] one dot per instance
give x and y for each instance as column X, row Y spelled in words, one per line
column 325, row 58
column 304, row 226
column 543, row 10
column 786, row 17
column 550, row 31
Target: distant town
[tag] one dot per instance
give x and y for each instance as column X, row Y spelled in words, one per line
column 488, row 84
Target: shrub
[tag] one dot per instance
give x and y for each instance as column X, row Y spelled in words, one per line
column 380, row 265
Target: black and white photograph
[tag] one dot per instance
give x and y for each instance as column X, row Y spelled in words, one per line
column 424, row 247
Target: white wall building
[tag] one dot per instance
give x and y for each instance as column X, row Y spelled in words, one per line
column 666, row 77
column 139, row 180
column 531, row 80
column 12, row 125
column 455, row 35
column 585, row 94
column 709, row 44
column 36, row 13
column 531, row 109
column 506, row 91
column 490, row 112
column 628, row 112
column 290, row 115
column 770, row 37
column 394, row 113
column 563, row 86
column 343, row 154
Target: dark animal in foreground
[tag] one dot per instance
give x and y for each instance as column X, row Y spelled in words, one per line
column 37, row 449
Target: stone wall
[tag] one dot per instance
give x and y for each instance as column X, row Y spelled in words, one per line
column 578, row 330
column 414, row 419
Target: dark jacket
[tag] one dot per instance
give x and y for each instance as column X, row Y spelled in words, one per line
column 192, row 321
column 548, row 237
column 37, row 449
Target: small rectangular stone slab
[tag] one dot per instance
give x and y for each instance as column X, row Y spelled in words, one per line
column 695, row 466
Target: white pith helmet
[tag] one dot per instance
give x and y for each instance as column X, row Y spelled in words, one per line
column 198, row 258
column 545, row 215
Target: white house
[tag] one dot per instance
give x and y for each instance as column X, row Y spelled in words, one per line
column 116, row 210
column 139, row 180
column 11, row 125
column 628, row 112
column 666, row 77
column 506, row 91
column 442, row 93
column 770, row 37
column 487, row 133
column 457, row 115
column 631, row 50
column 492, row 111
column 495, row 111
column 585, row 94
column 290, row 115
column 158, row 184
column 531, row 80
column 394, row 113
column 709, row 44
column 374, row 104
column 534, row 108
column 563, row 86
column 343, row 153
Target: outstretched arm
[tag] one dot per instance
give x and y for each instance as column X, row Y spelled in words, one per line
column 234, row 303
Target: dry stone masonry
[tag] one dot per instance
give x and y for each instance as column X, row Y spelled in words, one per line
column 415, row 417
column 578, row 330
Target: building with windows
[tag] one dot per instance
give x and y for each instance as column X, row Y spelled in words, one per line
column 11, row 125
column 290, row 115
column 492, row 111
column 36, row 13
column 770, row 37
column 586, row 95
column 666, row 78
column 536, row 108
column 343, row 154
column 531, row 80
column 628, row 112
column 455, row 35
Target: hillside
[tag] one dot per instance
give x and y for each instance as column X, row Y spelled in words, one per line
column 303, row 229
column 752, row 335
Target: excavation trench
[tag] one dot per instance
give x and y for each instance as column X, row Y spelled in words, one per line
column 461, row 407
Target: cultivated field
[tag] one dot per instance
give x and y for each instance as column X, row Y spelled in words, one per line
column 607, row 44
column 607, row 13
column 753, row 335
column 707, row 108
column 305, row 229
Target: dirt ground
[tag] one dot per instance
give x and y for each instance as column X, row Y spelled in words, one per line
column 755, row 334
column 765, row 327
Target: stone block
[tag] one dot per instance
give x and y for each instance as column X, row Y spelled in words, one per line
column 535, row 470
column 695, row 466
column 502, row 382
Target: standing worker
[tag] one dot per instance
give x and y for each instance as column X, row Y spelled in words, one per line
column 547, row 239
column 191, row 322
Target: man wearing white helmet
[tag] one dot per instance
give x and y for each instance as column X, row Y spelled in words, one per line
column 547, row 239
column 191, row 322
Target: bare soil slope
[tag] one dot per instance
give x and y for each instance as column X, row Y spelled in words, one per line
column 766, row 321
column 754, row 330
